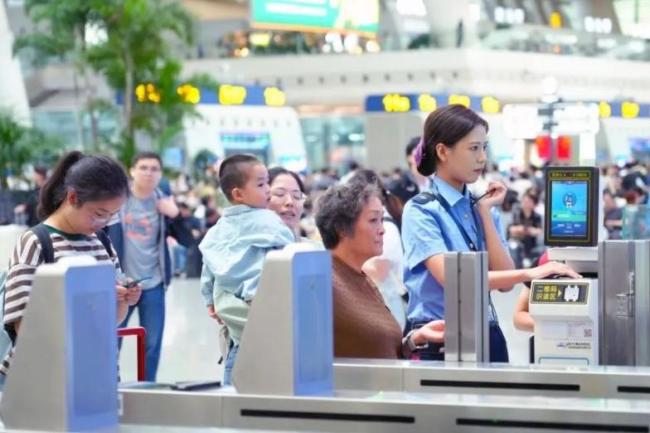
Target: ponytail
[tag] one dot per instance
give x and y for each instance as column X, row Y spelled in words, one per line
column 446, row 125
column 53, row 192
column 92, row 178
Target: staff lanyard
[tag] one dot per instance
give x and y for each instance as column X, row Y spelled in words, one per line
column 473, row 246
column 492, row 314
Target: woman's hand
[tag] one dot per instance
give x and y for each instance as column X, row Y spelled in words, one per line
column 495, row 196
column 122, row 292
column 122, row 303
column 551, row 268
column 432, row 332
column 127, row 292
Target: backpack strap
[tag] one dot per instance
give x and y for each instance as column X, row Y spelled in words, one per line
column 106, row 241
column 47, row 256
column 43, row 235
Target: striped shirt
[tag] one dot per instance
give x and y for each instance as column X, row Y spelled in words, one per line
column 26, row 258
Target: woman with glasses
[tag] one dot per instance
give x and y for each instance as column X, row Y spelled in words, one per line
column 287, row 197
column 75, row 203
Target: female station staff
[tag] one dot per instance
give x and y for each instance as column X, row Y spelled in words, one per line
column 446, row 218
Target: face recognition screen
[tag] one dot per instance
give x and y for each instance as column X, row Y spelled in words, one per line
column 569, row 209
column 559, row 293
column 571, row 206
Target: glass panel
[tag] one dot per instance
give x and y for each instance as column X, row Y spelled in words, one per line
column 636, row 222
column 334, row 141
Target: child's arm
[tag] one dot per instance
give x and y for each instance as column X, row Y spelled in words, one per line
column 207, row 285
column 522, row 318
column 207, row 290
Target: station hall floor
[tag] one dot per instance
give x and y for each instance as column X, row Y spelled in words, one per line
column 190, row 349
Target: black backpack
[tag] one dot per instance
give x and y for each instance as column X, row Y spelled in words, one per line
column 47, row 256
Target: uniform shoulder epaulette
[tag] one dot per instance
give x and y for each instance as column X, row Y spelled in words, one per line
column 424, row 197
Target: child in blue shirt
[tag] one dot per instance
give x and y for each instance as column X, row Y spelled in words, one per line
column 234, row 249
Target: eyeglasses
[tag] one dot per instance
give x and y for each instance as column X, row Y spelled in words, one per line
column 148, row 168
column 282, row 193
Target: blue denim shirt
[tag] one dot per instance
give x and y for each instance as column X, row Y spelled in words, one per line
column 428, row 230
column 234, row 250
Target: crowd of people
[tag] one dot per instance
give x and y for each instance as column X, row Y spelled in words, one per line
column 387, row 233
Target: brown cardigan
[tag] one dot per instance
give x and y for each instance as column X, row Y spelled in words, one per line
column 363, row 325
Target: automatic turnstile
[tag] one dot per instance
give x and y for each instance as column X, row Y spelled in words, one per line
column 139, row 428
column 384, row 412
column 471, row 378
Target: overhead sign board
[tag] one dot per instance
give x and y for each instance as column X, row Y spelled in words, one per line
column 576, row 119
column 428, row 102
column 346, row 16
column 527, row 121
column 522, row 121
column 223, row 94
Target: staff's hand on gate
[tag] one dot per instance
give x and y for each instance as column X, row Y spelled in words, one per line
column 551, row 268
column 432, row 332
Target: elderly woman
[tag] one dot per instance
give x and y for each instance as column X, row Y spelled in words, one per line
column 386, row 270
column 349, row 219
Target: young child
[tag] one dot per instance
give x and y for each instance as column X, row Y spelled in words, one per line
column 234, row 249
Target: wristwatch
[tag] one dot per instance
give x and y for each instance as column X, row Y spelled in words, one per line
column 411, row 344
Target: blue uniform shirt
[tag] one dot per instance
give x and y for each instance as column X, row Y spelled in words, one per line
column 427, row 230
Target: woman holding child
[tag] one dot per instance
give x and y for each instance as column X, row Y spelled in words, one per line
column 234, row 249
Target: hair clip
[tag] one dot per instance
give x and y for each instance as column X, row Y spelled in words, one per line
column 419, row 152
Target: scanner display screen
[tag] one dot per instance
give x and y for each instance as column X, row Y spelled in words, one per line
column 559, row 293
column 569, row 208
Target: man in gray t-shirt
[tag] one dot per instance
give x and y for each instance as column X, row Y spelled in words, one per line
column 139, row 237
column 141, row 223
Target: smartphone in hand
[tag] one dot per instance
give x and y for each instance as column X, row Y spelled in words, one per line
column 134, row 283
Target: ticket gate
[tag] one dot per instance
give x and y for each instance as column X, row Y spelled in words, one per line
column 620, row 274
column 492, row 379
column 324, row 408
column 380, row 409
column 572, row 222
column 566, row 321
column 298, row 350
column 624, row 298
column 467, row 304
column 380, row 412
column 63, row 375
column 613, row 321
